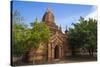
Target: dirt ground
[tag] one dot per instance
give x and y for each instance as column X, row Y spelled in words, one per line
column 68, row 59
column 75, row 59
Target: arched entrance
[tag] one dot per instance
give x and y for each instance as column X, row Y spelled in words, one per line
column 56, row 52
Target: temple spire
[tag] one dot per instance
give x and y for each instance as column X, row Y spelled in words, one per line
column 48, row 9
column 66, row 30
column 60, row 28
column 48, row 16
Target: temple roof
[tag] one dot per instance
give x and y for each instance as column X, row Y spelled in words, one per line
column 48, row 16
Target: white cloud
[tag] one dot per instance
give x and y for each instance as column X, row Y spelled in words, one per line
column 93, row 14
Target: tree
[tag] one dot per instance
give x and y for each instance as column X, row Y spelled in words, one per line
column 39, row 34
column 83, row 35
column 24, row 38
column 18, row 34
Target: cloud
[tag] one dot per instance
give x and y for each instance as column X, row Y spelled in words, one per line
column 92, row 14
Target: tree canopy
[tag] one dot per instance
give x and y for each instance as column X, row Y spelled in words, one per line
column 38, row 33
column 24, row 38
column 84, row 35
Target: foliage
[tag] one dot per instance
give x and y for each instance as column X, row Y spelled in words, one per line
column 39, row 33
column 84, row 35
column 24, row 38
column 18, row 34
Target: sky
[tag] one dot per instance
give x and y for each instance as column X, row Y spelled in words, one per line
column 65, row 14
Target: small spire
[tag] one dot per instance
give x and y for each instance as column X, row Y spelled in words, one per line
column 60, row 27
column 48, row 9
column 66, row 30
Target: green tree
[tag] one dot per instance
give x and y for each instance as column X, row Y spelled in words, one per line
column 18, row 34
column 83, row 35
column 39, row 34
column 24, row 38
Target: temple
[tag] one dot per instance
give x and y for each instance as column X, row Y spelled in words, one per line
column 58, row 43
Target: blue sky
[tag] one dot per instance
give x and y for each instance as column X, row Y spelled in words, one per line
column 65, row 14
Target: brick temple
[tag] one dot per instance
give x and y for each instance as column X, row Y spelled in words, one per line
column 57, row 45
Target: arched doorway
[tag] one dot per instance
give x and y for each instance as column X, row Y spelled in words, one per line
column 56, row 52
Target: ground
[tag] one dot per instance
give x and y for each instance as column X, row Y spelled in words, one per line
column 77, row 59
column 68, row 59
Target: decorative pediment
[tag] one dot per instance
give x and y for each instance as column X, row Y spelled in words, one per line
column 56, row 38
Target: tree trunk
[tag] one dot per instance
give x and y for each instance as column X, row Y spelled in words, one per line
column 73, row 51
column 90, row 52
